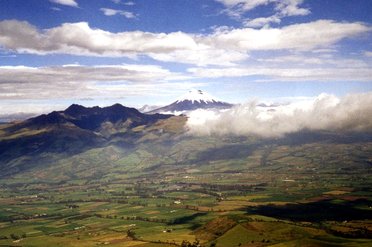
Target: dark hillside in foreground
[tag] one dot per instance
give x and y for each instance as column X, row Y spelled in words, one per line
column 64, row 133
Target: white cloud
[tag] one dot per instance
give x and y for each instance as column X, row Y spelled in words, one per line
column 243, row 5
column 129, row 3
column 329, row 50
column 112, row 12
column 295, row 66
column 325, row 61
column 128, row 14
column 71, row 3
column 79, row 74
column 291, row 8
column 76, row 81
column 326, row 112
column 305, row 36
column 262, row 21
column 81, row 39
column 289, row 74
column 109, row 12
column 202, row 57
column 282, row 8
column 227, row 46
column 368, row 53
column 55, row 9
column 42, row 89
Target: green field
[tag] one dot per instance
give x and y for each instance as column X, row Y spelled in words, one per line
column 199, row 190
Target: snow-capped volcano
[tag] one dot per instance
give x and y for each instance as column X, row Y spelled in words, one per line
column 193, row 100
column 196, row 96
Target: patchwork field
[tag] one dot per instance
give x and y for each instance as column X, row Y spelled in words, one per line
column 199, row 192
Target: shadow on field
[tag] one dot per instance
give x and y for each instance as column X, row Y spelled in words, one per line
column 235, row 151
column 317, row 211
column 186, row 219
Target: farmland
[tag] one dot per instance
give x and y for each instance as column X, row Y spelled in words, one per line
column 200, row 190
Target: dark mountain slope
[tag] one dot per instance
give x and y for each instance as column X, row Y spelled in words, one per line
column 90, row 118
column 68, row 132
column 28, row 151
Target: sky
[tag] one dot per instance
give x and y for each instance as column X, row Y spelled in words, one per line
column 99, row 52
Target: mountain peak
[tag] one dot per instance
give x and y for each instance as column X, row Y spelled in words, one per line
column 192, row 100
column 75, row 109
column 196, row 95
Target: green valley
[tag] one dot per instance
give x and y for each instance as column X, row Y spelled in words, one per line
column 156, row 185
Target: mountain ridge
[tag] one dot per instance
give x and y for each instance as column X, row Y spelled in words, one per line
column 91, row 118
column 72, row 131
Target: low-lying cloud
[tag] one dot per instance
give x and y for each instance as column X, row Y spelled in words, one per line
column 326, row 112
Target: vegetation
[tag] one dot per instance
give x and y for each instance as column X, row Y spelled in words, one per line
column 164, row 188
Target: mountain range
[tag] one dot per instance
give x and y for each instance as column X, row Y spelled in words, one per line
column 99, row 171
column 72, row 131
column 48, row 140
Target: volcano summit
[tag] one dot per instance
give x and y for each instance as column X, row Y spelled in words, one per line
column 193, row 100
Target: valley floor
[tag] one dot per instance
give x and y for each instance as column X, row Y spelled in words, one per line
column 314, row 194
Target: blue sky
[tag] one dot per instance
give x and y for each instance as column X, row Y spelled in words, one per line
column 57, row 52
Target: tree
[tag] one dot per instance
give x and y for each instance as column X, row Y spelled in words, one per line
column 14, row 237
column 131, row 234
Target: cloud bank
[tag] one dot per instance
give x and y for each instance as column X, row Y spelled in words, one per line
column 326, row 112
column 79, row 81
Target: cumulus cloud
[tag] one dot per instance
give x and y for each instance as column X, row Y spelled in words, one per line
column 203, row 57
column 112, row 12
column 71, row 3
column 326, row 112
column 81, row 39
column 304, row 36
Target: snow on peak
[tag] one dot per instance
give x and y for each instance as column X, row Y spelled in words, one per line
column 198, row 96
